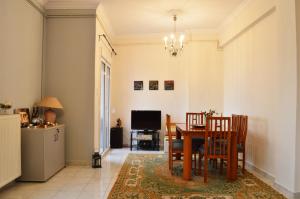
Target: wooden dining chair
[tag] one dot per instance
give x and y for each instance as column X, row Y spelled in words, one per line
column 193, row 120
column 236, row 122
column 175, row 145
column 242, row 135
column 217, row 141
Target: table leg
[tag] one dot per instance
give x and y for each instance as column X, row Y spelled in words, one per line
column 233, row 158
column 187, row 157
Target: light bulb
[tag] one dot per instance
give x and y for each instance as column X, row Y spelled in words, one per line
column 181, row 38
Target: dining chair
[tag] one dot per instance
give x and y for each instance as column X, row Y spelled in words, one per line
column 175, row 145
column 217, row 141
column 236, row 122
column 242, row 135
column 195, row 120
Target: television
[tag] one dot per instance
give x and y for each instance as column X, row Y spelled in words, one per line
column 145, row 120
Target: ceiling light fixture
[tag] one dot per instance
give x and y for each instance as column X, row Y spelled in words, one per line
column 172, row 43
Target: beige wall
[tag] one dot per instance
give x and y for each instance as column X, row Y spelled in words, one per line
column 260, row 80
column 21, row 38
column 298, row 104
column 70, row 52
column 200, row 65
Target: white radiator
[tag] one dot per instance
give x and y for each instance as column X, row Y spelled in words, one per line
column 10, row 148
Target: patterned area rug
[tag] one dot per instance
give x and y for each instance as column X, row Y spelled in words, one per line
column 148, row 177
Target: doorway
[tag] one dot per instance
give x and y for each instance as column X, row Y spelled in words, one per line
column 104, row 107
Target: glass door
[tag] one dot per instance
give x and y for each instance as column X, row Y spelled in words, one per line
column 104, row 107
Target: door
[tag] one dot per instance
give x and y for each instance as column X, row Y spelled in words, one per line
column 104, row 107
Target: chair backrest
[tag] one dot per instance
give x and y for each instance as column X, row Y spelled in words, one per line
column 236, row 122
column 240, row 125
column 217, row 137
column 242, row 133
column 169, row 132
column 195, row 119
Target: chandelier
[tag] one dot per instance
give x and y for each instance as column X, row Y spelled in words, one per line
column 173, row 44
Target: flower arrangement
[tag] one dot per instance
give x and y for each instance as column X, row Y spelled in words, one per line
column 209, row 113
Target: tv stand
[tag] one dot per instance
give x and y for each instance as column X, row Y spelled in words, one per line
column 144, row 140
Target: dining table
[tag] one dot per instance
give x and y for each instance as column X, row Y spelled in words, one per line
column 188, row 134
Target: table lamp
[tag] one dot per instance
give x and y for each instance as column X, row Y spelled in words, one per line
column 50, row 103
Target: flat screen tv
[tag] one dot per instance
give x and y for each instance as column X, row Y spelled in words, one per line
column 145, row 120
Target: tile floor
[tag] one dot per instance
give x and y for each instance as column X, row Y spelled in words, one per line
column 73, row 182
column 79, row 182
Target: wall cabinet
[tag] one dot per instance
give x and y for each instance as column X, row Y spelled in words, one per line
column 43, row 152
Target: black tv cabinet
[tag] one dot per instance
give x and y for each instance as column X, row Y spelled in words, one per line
column 116, row 137
column 144, row 140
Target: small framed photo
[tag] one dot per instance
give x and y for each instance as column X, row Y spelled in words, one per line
column 24, row 116
column 153, row 85
column 169, row 85
column 138, row 85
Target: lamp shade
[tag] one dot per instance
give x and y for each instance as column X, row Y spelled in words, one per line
column 50, row 102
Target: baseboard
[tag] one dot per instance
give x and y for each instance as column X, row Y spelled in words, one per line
column 285, row 191
column 297, row 195
column 263, row 175
column 78, row 163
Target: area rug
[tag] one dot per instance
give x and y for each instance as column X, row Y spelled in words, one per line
column 146, row 176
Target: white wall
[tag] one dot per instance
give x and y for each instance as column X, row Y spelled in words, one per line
column 70, row 74
column 102, row 53
column 197, row 74
column 260, row 80
column 251, row 79
column 21, row 38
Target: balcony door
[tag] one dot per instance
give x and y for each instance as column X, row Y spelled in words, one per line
column 105, row 107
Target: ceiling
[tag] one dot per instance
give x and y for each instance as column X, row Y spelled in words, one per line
column 132, row 17
column 69, row 4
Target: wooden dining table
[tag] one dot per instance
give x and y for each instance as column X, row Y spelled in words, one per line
column 188, row 134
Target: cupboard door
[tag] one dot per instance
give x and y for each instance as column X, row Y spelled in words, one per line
column 54, row 151
column 60, row 147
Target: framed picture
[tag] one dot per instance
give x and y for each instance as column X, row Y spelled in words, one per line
column 153, row 85
column 138, row 85
column 169, row 85
column 24, row 116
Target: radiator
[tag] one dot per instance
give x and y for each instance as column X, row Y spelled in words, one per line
column 10, row 148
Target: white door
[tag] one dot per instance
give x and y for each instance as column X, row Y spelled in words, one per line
column 105, row 107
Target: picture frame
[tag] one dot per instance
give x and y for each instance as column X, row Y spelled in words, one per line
column 169, row 85
column 138, row 85
column 153, row 85
column 24, row 116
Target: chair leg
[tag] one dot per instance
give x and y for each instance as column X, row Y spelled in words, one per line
column 171, row 164
column 244, row 161
column 215, row 163
column 195, row 162
column 221, row 166
column 170, row 159
column 200, row 164
column 228, row 170
column 205, row 169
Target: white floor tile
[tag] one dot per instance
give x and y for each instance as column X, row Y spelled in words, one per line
column 73, row 182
